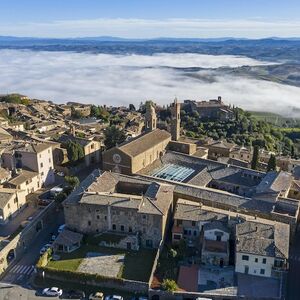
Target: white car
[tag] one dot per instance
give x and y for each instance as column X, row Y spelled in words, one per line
column 53, row 291
column 96, row 296
column 113, row 297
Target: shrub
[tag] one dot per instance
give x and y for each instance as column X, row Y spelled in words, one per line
column 169, row 285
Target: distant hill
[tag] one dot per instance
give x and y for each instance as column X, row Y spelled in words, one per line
column 272, row 49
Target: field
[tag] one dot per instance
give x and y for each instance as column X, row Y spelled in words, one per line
column 274, row 119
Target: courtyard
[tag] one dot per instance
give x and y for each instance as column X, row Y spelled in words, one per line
column 108, row 262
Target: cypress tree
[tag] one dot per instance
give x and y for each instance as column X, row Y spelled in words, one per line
column 272, row 163
column 255, row 158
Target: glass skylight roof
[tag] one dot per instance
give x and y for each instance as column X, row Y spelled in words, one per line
column 173, row 172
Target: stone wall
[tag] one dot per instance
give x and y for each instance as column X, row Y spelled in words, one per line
column 111, row 283
column 21, row 242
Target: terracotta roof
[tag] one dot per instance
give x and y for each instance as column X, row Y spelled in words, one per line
column 23, row 176
column 68, row 238
column 215, row 246
column 144, row 142
column 263, row 239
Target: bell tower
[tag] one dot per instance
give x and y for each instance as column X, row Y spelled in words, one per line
column 175, row 120
column 150, row 117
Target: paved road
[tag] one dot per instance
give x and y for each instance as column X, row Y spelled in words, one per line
column 12, row 292
column 20, row 271
column 293, row 286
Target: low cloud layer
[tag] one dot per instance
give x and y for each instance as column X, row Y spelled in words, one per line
column 123, row 79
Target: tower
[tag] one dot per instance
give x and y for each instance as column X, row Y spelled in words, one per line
column 150, row 117
column 175, row 120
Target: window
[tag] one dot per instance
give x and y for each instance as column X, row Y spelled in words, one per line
column 130, row 229
column 8, row 206
column 256, row 259
column 92, row 146
column 149, row 243
column 114, row 227
column 105, row 218
column 122, row 227
column 89, row 223
column 262, row 271
column 264, row 261
column 98, row 217
column 50, row 160
column 245, row 257
column 179, row 222
column 144, row 216
column 193, row 223
column 41, row 165
column 177, row 237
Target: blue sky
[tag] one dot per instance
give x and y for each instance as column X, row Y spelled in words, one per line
column 150, row 18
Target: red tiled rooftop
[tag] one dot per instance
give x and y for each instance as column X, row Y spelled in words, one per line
column 188, row 278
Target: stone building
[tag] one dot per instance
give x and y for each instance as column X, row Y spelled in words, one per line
column 189, row 219
column 261, row 249
column 215, row 244
column 136, row 154
column 36, row 157
column 213, row 109
column 150, row 117
column 91, row 148
column 11, row 202
column 116, row 203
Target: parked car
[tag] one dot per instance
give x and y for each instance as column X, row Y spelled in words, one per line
column 43, row 202
column 61, row 228
column 61, row 174
column 74, row 294
column 96, row 296
column 45, row 248
column 113, row 297
column 52, row 292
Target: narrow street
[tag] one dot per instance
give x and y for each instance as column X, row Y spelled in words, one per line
column 293, row 286
column 20, row 271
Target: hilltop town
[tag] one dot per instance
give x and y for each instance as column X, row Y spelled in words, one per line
column 145, row 201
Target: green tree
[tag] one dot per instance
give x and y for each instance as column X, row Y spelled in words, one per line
column 255, row 158
column 72, row 181
column 76, row 114
column 272, row 163
column 74, row 150
column 169, row 285
column 113, row 136
column 15, row 98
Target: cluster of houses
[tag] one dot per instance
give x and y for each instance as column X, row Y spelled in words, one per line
column 157, row 186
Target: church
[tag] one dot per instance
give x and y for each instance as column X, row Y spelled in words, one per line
column 140, row 152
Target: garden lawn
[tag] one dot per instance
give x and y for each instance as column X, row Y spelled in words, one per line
column 137, row 264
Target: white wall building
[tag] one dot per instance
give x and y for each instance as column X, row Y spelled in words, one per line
column 261, row 249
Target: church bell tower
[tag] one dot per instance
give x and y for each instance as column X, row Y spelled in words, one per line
column 175, row 120
column 150, row 117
